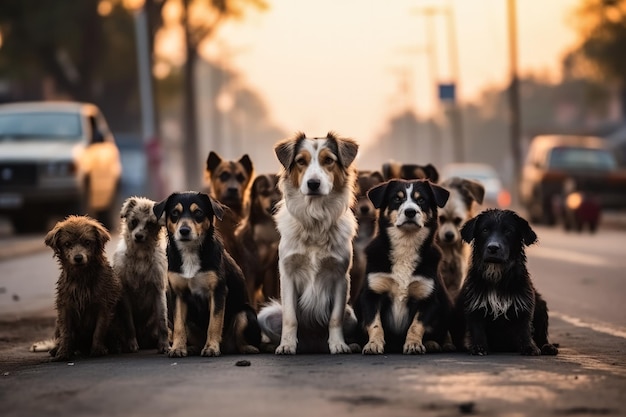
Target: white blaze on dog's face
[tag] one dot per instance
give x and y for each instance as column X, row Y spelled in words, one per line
column 405, row 207
column 451, row 218
column 315, row 167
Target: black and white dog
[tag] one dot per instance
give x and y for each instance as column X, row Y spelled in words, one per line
column 501, row 310
column 403, row 306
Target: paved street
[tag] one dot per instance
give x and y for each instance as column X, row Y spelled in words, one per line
column 581, row 276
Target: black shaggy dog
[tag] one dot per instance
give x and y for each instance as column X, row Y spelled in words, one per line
column 501, row 310
column 403, row 305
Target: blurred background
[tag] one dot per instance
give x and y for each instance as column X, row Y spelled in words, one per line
column 416, row 81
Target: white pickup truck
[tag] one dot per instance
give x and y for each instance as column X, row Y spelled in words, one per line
column 56, row 158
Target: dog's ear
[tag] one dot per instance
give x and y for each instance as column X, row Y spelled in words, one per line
column 128, row 205
column 441, row 194
column 431, row 173
column 246, row 162
column 377, row 194
column 212, row 161
column 528, row 234
column 390, row 170
column 158, row 209
column 347, row 149
column 377, row 177
column 102, row 234
column 474, row 189
column 52, row 237
column 467, row 231
column 285, row 150
column 218, row 208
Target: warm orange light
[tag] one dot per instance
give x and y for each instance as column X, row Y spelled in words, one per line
column 133, row 4
column 574, row 200
column 105, row 7
column 504, row 199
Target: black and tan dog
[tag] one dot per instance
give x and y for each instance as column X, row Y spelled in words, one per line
column 459, row 209
column 210, row 300
column 229, row 183
column 366, row 217
column 257, row 240
column 88, row 292
column 498, row 307
column 397, row 170
column 403, row 306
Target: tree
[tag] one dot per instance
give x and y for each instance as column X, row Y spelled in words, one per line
column 601, row 52
column 200, row 20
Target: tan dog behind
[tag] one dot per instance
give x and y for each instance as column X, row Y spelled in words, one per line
column 87, row 290
column 458, row 210
column 141, row 264
column 229, row 183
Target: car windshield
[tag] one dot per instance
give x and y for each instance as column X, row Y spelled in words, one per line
column 40, row 126
column 582, row 158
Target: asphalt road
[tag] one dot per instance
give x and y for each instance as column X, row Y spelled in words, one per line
column 581, row 276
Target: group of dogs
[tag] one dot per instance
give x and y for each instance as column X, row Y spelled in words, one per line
column 318, row 258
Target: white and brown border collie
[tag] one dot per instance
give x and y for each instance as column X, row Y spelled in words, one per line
column 316, row 226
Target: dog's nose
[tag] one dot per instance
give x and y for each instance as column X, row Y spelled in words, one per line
column 78, row 258
column 139, row 237
column 493, row 248
column 232, row 191
column 448, row 236
column 184, row 231
column 365, row 209
column 410, row 213
column 313, row 184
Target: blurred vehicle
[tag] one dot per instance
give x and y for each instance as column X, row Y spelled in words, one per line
column 134, row 181
column 56, row 158
column 496, row 194
column 555, row 160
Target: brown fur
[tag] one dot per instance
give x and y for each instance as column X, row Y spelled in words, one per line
column 87, row 289
column 366, row 217
column 458, row 210
column 257, row 240
column 229, row 183
column 141, row 264
column 394, row 169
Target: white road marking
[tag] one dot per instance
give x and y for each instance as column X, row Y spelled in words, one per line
column 568, row 256
column 597, row 327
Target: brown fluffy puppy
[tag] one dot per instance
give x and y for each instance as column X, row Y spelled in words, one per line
column 87, row 290
column 229, row 183
column 140, row 263
column 458, row 210
column 257, row 240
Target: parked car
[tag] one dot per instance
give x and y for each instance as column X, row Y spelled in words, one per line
column 553, row 161
column 496, row 195
column 56, row 158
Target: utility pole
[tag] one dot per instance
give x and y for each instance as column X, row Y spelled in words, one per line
column 514, row 100
column 456, row 116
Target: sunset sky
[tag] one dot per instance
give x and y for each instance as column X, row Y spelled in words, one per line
column 347, row 65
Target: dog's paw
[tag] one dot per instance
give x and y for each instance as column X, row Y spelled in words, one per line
column 133, row 346
column 478, row 350
column 98, row 350
column 530, row 350
column 338, row 348
column 549, row 349
column 374, row 348
column 177, row 352
column 414, row 349
column 60, row 355
column 285, row 349
column 432, row 346
column 163, row 347
column 449, row 347
column 248, row 349
column 211, row 351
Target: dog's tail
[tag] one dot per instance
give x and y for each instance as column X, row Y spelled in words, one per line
column 43, row 345
column 270, row 319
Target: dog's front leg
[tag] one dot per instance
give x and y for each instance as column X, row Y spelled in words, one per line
column 129, row 325
column 477, row 334
column 289, row 335
column 64, row 349
column 103, row 322
column 216, row 322
column 376, row 335
column 179, row 343
column 161, row 323
column 413, row 343
column 336, row 341
column 528, row 347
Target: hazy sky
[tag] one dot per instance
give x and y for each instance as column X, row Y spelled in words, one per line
column 347, row 65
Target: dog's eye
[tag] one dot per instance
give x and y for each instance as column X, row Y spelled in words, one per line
column 508, row 232
column 301, row 162
column 174, row 215
column 442, row 219
column 134, row 223
column 67, row 244
column 397, row 199
column 485, row 230
column 198, row 214
column 86, row 243
column 240, row 178
column 328, row 161
column 224, row 176
column 421, row 200
column 457, row 221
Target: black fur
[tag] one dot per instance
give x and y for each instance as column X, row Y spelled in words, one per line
column 498, row 267
column 229, row 292
column 435, row 308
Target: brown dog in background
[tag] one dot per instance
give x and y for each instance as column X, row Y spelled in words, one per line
column 458, row 209
column 257, row 240
column 87, row 290
column 392, row 169
column 229, row 183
